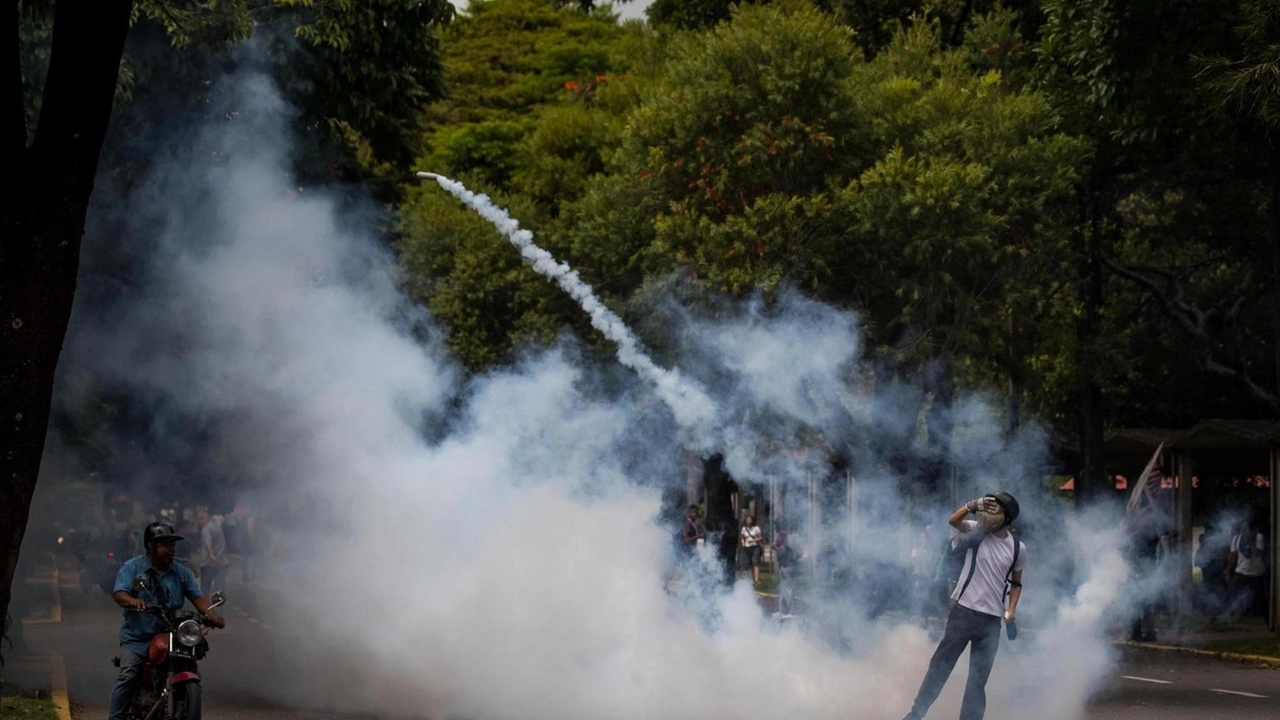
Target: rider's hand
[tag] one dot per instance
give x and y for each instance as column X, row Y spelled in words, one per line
column 216, row 619
column 137, row 603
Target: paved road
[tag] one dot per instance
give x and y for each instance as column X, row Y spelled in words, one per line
column 86, row 639
column 1148, row 685
column 1178, row 686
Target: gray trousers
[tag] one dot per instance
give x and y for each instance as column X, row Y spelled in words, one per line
column 964, row 627
column 126, row 687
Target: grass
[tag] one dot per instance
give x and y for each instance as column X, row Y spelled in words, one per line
column 13, row 707
column 1268, row 646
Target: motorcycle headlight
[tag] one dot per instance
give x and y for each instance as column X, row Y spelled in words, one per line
column 189, row 633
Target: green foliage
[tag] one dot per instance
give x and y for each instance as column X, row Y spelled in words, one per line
column 472, row 281
column 748, row 124
column 211, row 24
column 370, row 66
column 537, row 96
column 690, row 14
column 1250, row 82
column 914, row 187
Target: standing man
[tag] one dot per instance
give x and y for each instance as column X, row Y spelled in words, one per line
column 214, row 543
column 691, row 531
column 170, row 584
column 994, row 560
column 1245, row 572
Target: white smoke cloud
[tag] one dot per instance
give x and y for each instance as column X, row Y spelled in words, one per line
column 511, row 567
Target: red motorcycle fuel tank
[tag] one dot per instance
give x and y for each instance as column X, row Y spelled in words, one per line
column 159, row 649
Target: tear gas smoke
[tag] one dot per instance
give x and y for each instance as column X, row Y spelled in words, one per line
column 511, row 566
column 690, row 405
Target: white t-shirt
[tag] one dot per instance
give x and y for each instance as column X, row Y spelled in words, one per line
column 751, row 536
column 985, row 593
column 1251, row 566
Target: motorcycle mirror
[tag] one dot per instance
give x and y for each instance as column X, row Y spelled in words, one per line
column 140, row 583
column 218, row 598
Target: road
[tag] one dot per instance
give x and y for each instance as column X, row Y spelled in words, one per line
column 1147, row 685
column 87, row 640
column 1178, row 686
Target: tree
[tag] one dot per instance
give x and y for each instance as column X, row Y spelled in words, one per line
column 1120, row 75
column 42, row 219
column 63, row 77
column 925, row 194
column 533, row 109
column 690, row 14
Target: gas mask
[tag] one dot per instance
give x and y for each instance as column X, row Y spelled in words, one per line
column 991, row 521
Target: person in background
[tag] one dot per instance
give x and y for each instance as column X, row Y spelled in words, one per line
column 786, row 556
column 1144, row 546
column 1246, row 571
column 691, row 530
column 1211, row 558
column 751, row 538
column 213, row 573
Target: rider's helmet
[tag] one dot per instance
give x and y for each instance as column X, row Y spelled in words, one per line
column 1008, row 504
column 159, row 532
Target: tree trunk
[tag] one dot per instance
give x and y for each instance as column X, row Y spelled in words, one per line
column 1275, row 259
column 720, row 524
column 42, row 220
column 1092, row 476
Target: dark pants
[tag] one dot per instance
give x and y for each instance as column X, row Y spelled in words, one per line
column 1246, row 594
column 964, row 627
column 126, row 687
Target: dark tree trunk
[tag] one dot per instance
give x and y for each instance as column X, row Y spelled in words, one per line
column 720, row 525
column 42, row 220
column 1092, row 475
column 940, row 424
column 1275, row 259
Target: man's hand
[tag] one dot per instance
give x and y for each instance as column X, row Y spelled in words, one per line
column 1008, row 616
column 128, row 602
column 983, row 504
column 216, row 619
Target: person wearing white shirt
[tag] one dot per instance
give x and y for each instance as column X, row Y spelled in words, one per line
column 751, row 539
column 1246, row 571
column 993, row 563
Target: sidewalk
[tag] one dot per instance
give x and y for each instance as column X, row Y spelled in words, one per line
column 26, row 672
column 1201, row 641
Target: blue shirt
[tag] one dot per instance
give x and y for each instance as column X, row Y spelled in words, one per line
column 169, row 589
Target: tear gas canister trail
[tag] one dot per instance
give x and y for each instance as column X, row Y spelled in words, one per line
column 693, row 409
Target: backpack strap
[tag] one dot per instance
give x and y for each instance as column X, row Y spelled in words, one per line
column 971, row 554
column 1008, row 576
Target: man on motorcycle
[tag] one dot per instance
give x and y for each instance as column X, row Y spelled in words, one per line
column 170, row 584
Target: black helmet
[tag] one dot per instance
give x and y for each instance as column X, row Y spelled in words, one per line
column 1007, row 503
column 159, row 532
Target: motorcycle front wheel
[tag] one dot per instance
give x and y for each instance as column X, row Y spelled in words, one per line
column 186, row 701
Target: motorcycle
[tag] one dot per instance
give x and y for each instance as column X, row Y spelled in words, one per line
column 169, row 683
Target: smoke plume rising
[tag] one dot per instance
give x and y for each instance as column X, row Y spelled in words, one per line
column 495, row 547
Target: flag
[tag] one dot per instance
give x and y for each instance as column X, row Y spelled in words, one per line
column 1142, row 501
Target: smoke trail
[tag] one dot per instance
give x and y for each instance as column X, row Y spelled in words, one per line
column 694, row 411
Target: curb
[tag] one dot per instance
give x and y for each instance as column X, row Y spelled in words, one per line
column 61, row 703
column 1264, row 660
